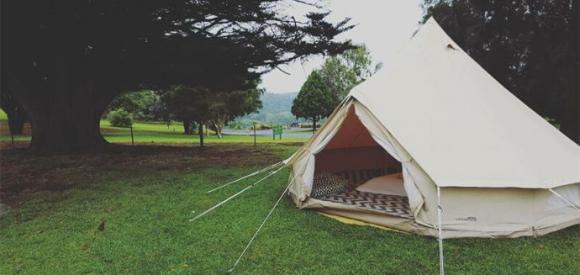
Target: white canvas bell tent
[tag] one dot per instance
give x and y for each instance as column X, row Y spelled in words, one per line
column 435, row 146
column 434, row 122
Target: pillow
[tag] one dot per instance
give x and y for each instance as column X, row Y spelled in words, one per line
column 391, row 184
column 326, row 184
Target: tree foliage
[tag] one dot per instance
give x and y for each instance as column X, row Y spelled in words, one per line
column 325, row 88
column 120, row 118
column 188, row 104
column 344, row 71
column 226, row 106
column 66, row 60
column 531, row 47
column 202, row 106
column 142, row 105
column 315, row 100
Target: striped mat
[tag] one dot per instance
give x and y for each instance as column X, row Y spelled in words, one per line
column 393, row 205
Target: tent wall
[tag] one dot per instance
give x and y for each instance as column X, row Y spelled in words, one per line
column 351, row 133
column 493, row 212
column 504, row 212
column 353, row 148
column 345, row 159
column 552, row 209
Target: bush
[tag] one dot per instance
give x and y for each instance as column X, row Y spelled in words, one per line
column 120, row 118
column 262, row 126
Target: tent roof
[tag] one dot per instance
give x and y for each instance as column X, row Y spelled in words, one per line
column 462, row 126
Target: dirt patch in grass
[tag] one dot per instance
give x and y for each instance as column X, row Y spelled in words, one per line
column 23, row 173
column 7, row 145
column 5, row 130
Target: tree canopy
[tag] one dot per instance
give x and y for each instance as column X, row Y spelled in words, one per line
column 344, row 71
column 325, row 88
column 142, row 105
column 226, row 106
column 188, row 104
column 208, row 108
column 531, row 47
column 66, row 60
column 315, row 100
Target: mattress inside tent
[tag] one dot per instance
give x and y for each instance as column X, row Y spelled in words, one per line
column 383, row 194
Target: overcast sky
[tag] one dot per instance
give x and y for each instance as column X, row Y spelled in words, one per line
column 383, row 25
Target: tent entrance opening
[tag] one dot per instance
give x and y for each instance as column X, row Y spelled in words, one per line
column 353, row 169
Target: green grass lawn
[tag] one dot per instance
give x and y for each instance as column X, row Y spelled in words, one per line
column 145, row 196
column 3, row 115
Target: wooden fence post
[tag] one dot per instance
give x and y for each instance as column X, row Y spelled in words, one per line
column 255, row 145
column 132, row 138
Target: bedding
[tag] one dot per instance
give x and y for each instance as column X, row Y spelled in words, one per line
column 391, row 184
column 393, row 205
column 328, row 184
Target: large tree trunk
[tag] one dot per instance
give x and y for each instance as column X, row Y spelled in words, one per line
column 65, row 127
column 66, row 120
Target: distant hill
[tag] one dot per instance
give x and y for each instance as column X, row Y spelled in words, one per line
column 276, row 103
column 275, row 110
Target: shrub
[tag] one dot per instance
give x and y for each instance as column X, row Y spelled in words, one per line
column 262, row 126
column 120, row 118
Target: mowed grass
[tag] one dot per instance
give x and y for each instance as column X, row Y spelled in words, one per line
column 161, row 133
column 145, row 200
column 151, row 132
column 3, row 115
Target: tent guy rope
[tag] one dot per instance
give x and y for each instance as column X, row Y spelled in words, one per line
column 236, row 194
column 259, row 228
column 564, row 199
column 265, row 169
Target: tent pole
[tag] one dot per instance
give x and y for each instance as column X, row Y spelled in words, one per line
column 440, row 238
column 267, row 168
column 235, row 195
column 259, row 228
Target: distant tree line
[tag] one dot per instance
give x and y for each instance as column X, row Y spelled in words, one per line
column 203, row 107
column 275, row 111
column 195, row 107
